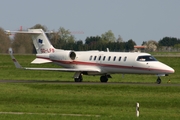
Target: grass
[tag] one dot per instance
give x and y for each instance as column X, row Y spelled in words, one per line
column 101, row 101
column 164, row 53
column 85, row 101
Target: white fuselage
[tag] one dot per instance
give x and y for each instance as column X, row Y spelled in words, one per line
column 110, row 62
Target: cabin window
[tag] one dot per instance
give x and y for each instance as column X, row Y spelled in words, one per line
column 146, row 58
column 104, row 58
column 99, row 58
column 119, row 58
column 90, row 58
column 109, row 58
column 125, row 58
column 114, row 58
column 94, row 57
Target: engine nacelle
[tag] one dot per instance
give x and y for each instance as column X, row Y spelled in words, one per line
column 64, row 55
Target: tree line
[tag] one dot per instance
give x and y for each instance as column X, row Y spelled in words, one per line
column 63, row 39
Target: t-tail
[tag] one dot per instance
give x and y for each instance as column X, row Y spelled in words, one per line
column 41, row 42
column 42, row 46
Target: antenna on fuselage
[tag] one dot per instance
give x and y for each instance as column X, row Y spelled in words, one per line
column 107, row 49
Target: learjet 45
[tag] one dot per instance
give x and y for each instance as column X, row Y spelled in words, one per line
column 94, row 62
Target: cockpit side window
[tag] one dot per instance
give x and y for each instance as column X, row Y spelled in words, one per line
column 146, row 58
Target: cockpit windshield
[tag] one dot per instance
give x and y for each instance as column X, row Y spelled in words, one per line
column 146, row 58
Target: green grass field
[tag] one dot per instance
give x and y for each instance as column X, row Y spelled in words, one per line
column 85, row 101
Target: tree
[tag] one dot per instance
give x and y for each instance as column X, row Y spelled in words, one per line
column 39, row 26
column 94, row 42
column 151, row 45
column 22, row 43
column 177, row 47
column 119, row 39
column 65, row 39
column 130, row 45
column 62, row 39
column 108, row 37
column 65, row 35
column 79, row 45
column 144, row 43
column 54, row 39
column 5, row 41
column 168, row 41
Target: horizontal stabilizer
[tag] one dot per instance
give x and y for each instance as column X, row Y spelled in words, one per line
column 40, row 60
column 30, row 31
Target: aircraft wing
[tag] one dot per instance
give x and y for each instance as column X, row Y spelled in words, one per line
column 16, row 63
column 63, row 69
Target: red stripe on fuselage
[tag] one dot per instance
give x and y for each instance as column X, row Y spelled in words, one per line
column 104, row 65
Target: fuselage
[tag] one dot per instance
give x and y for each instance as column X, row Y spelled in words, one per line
column 110, row 62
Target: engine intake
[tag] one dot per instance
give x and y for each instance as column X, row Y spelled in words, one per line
column 72, row 55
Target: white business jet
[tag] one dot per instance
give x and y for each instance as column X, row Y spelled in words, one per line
column 102, row 63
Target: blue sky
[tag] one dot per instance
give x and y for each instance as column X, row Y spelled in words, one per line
column 139, row 20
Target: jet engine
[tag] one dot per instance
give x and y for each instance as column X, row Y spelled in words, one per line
column 64, row 55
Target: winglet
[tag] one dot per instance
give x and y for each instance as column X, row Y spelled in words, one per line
column 16, row 63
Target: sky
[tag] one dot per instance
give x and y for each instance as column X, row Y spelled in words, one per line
column 139, row 20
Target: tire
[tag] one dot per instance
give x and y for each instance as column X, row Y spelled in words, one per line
column 103, row 79
column 158, row 81
column 78, row 79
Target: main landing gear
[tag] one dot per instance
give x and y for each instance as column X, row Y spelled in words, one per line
column 158, row 80
column 79, row 79
column 103, row 78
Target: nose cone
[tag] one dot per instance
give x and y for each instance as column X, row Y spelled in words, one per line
column 165, row 68
column 168, row 69
column 171, row 70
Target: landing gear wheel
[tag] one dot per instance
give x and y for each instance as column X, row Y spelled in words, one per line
column 158, row 80
column 103, row 79
column 79, row 79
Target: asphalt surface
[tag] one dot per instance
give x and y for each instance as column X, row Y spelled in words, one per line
column 86, row 83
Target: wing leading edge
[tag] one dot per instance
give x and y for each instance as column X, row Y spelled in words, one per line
column 63, row 69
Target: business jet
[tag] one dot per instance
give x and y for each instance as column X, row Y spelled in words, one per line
column 103, row 63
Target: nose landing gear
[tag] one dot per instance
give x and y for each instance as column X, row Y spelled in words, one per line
column 158, row 80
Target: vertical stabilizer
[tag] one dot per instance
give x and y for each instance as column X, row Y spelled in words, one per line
column 41, row 42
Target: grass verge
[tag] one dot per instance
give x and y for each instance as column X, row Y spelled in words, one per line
column 89, row 101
